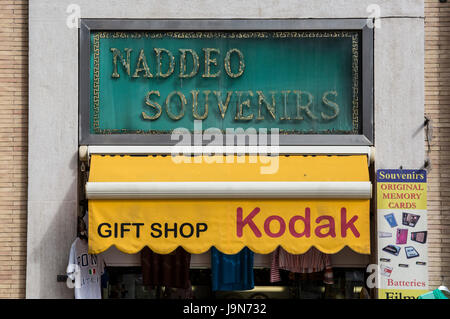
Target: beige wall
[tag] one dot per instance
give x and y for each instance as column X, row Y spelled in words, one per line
column 13, row 146
column 53, row 102
column 437, row 108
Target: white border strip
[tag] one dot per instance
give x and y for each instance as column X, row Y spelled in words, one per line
column 173, row 190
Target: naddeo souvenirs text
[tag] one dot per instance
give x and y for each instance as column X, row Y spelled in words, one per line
column 213, row 65
column 154, row 82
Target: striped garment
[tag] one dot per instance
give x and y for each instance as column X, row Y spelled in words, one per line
column 311, row 261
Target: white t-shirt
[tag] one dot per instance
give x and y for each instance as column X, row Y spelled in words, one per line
column 86, row 270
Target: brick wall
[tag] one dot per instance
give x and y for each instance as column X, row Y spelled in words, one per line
column 437, row 108
column 13, row 146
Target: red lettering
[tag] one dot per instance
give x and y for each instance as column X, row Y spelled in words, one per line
column 321, row 231
column 267, row 226
column 350, row 224
column 331, row 227
column 405, row 205
column 307, row 224
column 240, row 224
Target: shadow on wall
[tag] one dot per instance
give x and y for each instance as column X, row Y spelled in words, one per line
column 53, row 228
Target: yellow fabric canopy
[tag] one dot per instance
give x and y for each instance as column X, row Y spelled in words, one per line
column 128, row 168
column 229, row 224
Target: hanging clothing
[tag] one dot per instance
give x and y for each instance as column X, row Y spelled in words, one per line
column 232, row 272
column 311, row 261
column 85, row 270
column 169, row 270
column 178, row 293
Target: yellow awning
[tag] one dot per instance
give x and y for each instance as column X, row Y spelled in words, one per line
column 164, row 202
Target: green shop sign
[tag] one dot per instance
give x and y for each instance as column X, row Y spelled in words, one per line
column 152, row 81
column 299, row 82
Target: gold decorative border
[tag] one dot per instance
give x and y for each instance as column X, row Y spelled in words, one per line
column 355, row 88
column 96, row 84
column 225, row 35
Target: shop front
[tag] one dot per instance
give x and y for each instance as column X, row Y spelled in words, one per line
column 237, row 151
column 229, row 153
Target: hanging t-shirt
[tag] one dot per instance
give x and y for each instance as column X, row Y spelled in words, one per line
column 311, row 261
column 232, row 272
column 86, row 270
column 169, row 270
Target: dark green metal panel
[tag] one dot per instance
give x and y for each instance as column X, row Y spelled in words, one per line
column 323, row 65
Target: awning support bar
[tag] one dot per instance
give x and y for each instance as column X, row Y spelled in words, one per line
column 205, row 190
column 86, row 151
